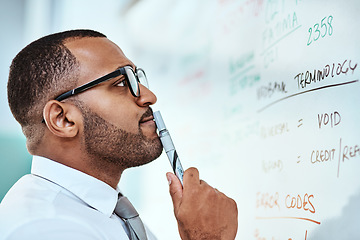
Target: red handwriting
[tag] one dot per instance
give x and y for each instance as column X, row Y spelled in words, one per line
column 258, row 236
column 300, row 202
column 305, row 236
column 267, row 200
column 286, row 217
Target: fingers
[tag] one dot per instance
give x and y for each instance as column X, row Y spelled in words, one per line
column 202, row 210
column 191, row 177
column 175, row 189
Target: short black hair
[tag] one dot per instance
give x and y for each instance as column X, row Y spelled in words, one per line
column 39, row 72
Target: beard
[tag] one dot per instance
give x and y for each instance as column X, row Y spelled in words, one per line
column 108, row 144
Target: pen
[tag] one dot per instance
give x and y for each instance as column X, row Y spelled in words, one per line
column 168, row 146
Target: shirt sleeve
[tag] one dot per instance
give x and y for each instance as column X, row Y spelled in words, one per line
column 54, row 229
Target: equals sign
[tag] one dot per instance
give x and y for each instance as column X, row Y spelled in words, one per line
column 300, row 123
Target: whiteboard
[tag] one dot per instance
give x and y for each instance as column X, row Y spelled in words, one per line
column 262, row 97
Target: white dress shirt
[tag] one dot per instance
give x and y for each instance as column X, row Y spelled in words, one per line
column 58, row 202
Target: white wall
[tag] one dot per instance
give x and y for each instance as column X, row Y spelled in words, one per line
column 207, row 62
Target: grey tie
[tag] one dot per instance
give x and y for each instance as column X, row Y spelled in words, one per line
column 126, row 211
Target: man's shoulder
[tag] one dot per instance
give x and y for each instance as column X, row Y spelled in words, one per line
column 49, row 228
column 38, row 204
column 34, row 197
column 30, row 196
column 29, row 190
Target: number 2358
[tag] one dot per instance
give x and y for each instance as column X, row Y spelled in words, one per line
column 321, row 29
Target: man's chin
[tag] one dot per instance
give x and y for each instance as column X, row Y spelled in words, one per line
column 154, row 150
column 158, row 148
column 149, row 133
column 149, row 158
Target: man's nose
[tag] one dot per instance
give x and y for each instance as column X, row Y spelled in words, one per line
column 146, row 97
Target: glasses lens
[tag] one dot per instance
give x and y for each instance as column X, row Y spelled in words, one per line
column 142, row 77
column 133, row 82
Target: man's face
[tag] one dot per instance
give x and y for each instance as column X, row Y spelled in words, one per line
column 118, row 127
column 114, row 145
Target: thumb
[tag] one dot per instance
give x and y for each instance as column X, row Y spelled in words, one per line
column 175, row 189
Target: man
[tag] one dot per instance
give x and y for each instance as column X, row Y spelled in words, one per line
column 85, row 111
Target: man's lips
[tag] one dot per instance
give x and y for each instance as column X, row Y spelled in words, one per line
column 147, row 119
column 147, row 122
column 147, row 116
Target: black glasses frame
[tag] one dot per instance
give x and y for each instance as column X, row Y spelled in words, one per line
column 116, row 73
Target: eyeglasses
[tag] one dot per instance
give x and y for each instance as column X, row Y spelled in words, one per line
column 133, row 78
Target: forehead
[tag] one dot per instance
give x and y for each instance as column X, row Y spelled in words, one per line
column 96, row 57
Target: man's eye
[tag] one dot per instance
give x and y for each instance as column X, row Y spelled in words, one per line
column 120, row 83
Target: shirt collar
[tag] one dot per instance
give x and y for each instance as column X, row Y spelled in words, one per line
column 94, row 192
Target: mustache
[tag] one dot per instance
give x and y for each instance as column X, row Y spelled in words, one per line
column 147, row 114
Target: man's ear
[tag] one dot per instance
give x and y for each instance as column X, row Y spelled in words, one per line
column 62, row 119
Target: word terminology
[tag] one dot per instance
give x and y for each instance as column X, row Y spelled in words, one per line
column 306, row 78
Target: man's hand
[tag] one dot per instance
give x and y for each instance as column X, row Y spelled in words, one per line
column 202, row 212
